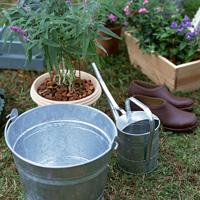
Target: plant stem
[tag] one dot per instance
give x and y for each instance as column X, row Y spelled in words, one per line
column 63, row 69
column 85, row 5
column 79, row 68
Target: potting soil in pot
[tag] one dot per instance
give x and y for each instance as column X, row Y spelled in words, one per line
column 52, row 91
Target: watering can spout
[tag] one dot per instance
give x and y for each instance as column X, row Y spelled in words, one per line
column 114, row 107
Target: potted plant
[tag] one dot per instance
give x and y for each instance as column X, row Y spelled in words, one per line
column 114, row 19
column 164, row 45
column 66, row 33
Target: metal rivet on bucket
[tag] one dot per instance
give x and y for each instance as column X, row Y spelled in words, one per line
column 138, row 134
column 60, row 153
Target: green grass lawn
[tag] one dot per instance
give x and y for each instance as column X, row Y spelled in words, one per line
column 178, row 173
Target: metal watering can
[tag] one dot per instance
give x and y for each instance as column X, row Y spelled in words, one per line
column 138, row 134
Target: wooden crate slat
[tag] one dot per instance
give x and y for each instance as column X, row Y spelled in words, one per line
column 184, row 77
column 157, row 68
column 188, row 76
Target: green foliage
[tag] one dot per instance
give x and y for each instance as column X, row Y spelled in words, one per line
column 155, row 34
column 113, row 7
column 190, row 7
column 64, row 31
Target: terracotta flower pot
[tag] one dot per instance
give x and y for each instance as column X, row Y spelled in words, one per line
column 112, row 45
column 89, row 100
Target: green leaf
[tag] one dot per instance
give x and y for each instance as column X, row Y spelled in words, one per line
column 29, row 54
column 182, row 45
column 53, row 55
column 7, row 16
column 50, row 43
column 112, row 10
column 86, row 41
column 101, row 47
column 100, row 37
column 59, row 22
column 108, row 32
column 32, row 45
column 6, row 35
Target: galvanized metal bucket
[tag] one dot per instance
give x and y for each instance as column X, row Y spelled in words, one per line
column 61, row 151
column 138, row 134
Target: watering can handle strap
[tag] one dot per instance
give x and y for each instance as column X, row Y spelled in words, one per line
column 141, row 105
column 12, row 116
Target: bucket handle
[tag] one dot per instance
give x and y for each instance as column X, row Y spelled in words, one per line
column 11, row 117
column 114, row 107
column 151, row 122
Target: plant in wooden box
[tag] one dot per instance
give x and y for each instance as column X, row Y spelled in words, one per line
column 65, row 32
column 165, row 46
column 114, row 19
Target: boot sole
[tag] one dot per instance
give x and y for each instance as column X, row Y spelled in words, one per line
column 188, row 129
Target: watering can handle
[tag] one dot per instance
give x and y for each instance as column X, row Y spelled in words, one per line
column 114, row 107
column 151, row 122
column 12, row 116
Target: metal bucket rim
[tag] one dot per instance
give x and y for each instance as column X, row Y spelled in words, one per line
column 142, row 134
column 62, row 166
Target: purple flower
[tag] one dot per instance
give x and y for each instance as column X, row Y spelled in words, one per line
column 17, row 29
column 180, row 30
column 127, row 10
column 112, row 17
column 189, row 35
column 174, row 25
column 143, row 10
column 186, row 24
column 186, row 18
column 23, row 33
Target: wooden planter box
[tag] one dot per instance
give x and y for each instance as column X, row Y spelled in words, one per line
column 184, row 77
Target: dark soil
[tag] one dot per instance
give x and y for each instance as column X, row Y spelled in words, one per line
column 51, row 90
column 173, row 60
